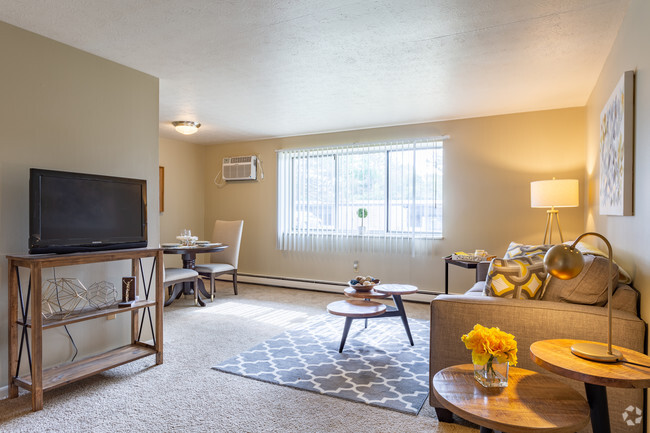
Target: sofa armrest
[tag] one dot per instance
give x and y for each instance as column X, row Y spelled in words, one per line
column 529, row 321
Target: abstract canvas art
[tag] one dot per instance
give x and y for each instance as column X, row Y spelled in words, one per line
column 617, row 149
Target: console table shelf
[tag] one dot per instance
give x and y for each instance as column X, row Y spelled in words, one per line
column 68, row 373
column 25, row 312
column 89, row 314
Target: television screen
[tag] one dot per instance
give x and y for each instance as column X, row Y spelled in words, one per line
column 72, row 212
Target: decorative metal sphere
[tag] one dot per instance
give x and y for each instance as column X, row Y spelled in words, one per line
column 563, row 262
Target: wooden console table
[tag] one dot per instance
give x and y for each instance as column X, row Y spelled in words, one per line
column 21, row 304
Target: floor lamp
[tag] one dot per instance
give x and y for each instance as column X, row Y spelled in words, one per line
column 566, row 262
column 552, row 194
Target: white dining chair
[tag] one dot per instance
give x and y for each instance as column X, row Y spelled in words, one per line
column 173, row 276
column 226, row 261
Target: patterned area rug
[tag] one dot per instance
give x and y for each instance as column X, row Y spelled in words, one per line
column 378, row 366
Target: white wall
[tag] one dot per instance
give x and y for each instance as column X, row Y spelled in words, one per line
column 64, row 109
column 184, row 194
column 629, row 235
column 489, row 163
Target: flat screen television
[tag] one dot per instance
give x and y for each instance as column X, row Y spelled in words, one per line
column 75, row 212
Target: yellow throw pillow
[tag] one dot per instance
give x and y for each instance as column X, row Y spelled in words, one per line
column 519, row 278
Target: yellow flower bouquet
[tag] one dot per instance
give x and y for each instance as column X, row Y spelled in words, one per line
column 491, row 347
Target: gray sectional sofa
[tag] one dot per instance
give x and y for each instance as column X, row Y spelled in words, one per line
column 533, row 320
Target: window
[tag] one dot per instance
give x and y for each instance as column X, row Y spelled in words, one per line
column 385, row 196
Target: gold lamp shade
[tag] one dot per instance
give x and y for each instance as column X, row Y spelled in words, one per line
column 564, row 262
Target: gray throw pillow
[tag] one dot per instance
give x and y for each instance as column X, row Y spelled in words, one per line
column 588, row 288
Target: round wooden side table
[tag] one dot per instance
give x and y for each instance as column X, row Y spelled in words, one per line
column 556, row 356
column 356, row 308
column 531, row 402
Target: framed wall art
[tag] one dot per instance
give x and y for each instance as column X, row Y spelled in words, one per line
column 617, row 150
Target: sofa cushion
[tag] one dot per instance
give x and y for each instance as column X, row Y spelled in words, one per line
column 588, row 288
column 519, row 278
column 515, row 249
column 626, row 298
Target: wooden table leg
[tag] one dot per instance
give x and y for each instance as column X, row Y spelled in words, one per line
column 402, row 313
column 199, row 287
column 446, row 277
column 176, row 293
column 37, row 338
column 346, row 329
column 13, row 328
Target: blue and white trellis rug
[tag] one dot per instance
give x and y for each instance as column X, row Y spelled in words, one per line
column 378, row 366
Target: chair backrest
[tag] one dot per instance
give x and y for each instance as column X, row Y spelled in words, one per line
column 228, row 233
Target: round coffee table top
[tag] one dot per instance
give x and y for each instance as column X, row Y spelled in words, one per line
column 356, row 308
column 531, row 402
column 556, row 356
column 352, row 293
column 396, row 289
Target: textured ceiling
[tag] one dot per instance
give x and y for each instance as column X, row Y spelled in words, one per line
column 253, row 69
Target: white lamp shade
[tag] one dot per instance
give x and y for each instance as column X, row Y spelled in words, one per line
column 554, row 193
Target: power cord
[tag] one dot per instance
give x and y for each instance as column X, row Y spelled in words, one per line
column 56, row 286
column 634, row 363
column 219, row 181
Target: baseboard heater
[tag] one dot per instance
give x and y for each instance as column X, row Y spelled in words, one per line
column 316, row 285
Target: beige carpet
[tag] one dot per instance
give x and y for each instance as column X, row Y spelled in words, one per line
column 185, row 394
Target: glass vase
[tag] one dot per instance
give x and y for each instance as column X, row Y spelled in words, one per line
column 493, row 374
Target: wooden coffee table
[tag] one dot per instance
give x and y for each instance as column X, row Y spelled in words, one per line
column 378, row 292
column 556, row 356
column 531, row 402
column 354, row 309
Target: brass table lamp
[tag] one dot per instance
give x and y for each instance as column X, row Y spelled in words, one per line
column 566, row 262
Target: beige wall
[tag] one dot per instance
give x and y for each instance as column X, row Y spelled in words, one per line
column 184, row 193
column 629, row 235
column 63, row 109
column 489, row 164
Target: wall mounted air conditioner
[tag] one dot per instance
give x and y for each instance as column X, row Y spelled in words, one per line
column 239, row 168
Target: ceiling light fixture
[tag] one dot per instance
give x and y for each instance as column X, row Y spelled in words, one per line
column 186, row 127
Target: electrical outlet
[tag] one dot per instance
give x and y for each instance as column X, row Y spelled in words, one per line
column 355, row 265
column 110, row 317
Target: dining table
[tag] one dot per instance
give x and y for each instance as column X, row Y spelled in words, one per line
column 188, row 255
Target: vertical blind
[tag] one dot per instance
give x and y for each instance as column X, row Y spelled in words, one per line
column 377, row 197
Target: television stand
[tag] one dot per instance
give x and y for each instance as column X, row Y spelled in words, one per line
column 38, row 380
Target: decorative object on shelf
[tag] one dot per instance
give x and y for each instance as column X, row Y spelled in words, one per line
column 493, row 350
column 101, row 294
column 128, row 292
column 186, row 127
column 617, row 149
column 566, row 262
column 551, row 194
column 62, row 297
column 362, row 213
